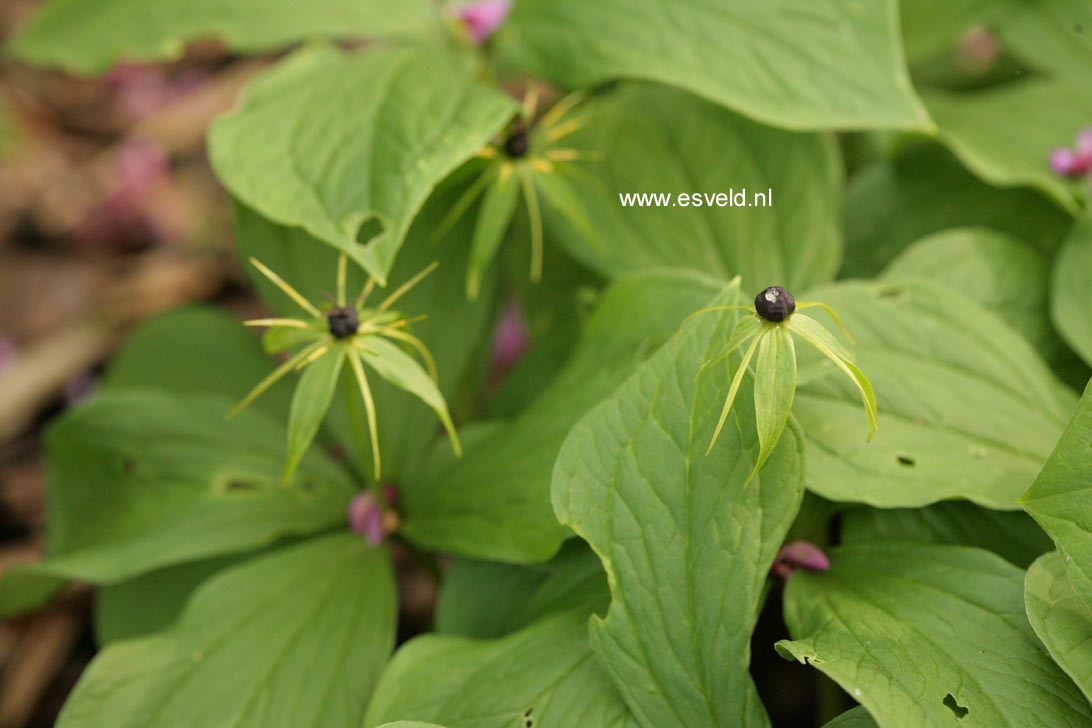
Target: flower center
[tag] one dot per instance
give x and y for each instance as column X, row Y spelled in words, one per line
column 518, row 143
column 775, row 304
column 343, row 322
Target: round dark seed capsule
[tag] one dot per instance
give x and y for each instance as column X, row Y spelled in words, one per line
column 775, row 304
column 518, row 143
column 343, row 322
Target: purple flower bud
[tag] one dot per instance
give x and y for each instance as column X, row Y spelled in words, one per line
column 510, row 338
column 366, row 518
column 1063, row 161
column 482, row 19
column 799, row 555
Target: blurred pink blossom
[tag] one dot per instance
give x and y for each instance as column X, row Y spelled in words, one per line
column 366, row 518
column 799, row 555
column 511, row 339
column 1076, row 161
column 482, row 19
column 977, row 50
column 143, row 90
column 121, row 220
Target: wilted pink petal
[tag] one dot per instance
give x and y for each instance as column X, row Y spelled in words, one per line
column 1063, row 161
column 799, row 555
column 366, row 518
column 482, row 19
column 510, row 338
column 390, row 495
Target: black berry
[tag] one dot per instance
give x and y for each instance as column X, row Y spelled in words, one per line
column 343, row 322
column 775, row 304
column 518, row 142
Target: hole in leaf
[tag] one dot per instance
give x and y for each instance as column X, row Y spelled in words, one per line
column 369, row 229
column 528, row 721
column 906, row 461
column 952, row 705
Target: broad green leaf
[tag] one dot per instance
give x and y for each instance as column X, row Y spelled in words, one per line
column 494, row 217
column 644, row 139
column 1061, row 619
column 856, row 718
column 314, row 392
column 542, row 675
column 1003, row 274
column 494, row 503
column 1005, row 134
column 403, row 371
column 928, row 635
column 966, row 407
column 140, row 480
column 1060, row 499
column 313, row 142
column 892, row 203
column 152, row 602
column 1071, row 290
column 799, row 65
column 297, row 637
column 92, row 37
column 453, row 332
column 197, row 350
column 1052, row 36
column 487, row 599
column 1012, row 535
column 775, row 385
column 687, row 538
column 26, row 587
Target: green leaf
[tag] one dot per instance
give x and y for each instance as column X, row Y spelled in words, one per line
column 1003, row 274
column 775, row 385
column 453, row 332
column 494, row 216
column 26, row 587
column 966, row 407
column 1051, row 35
column 797, row 65
column 1060, row 499
column 892, row 203
column 487, row 599
column 856, row 718
column 295, row 637
column 544, row 673
column 930, row 29
column 197, row 350
column 140, row 480
column 1071, row 290
column 649, row 139
column 1012, row 535
column 153, row 601
column 314, row 392
column 495, row 503
column 1061, row 619
column 403, row 371
column 928, row 635
column 410, row 724
column 1005, row 135
column 90, row 38
column 308, row 147
column 687, row 538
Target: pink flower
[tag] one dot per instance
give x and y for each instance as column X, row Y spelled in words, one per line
column 799, row 555
column 366, row 518
column 482, row 19
column 1077, row 161
column 510, row 339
